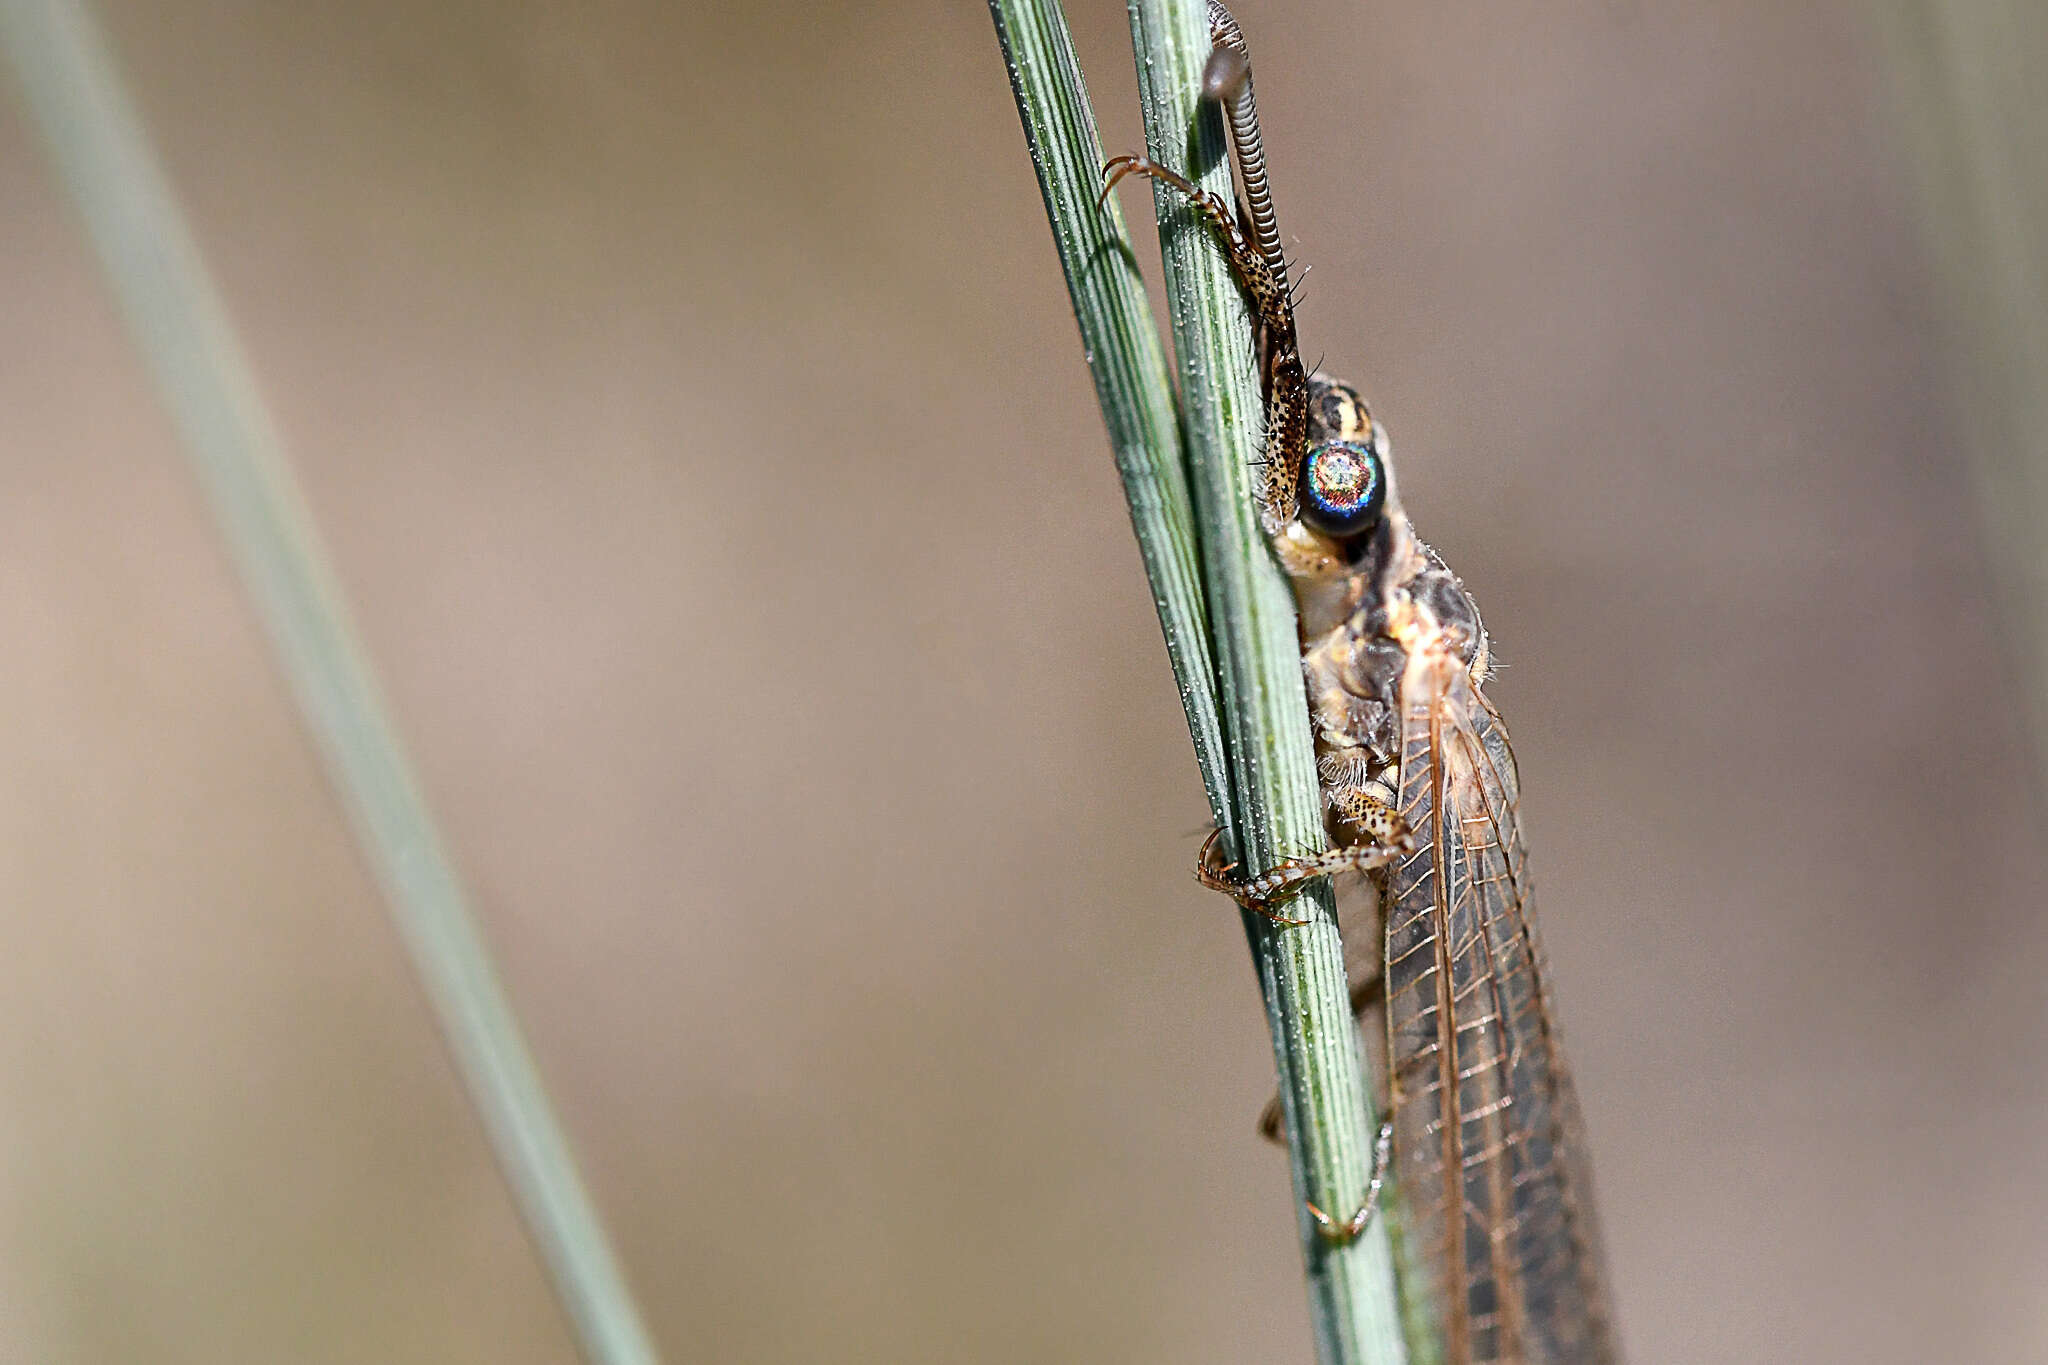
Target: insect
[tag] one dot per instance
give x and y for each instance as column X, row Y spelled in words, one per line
column 1493, row 1223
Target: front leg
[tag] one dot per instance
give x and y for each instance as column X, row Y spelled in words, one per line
column 1286, row 380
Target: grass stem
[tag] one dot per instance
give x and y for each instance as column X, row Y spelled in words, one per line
column 98, row 145
column 1264, row 787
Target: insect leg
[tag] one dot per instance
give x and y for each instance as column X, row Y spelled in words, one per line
column 1284, row 879
column 1253, row 271
column 1286, row 379
column 1349, row 1231
column 1382, row 824
column 1216, row 876
column 1270, row 1120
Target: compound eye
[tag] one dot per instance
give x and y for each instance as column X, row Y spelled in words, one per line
column 1343, row 488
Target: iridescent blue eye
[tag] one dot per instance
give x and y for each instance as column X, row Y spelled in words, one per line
column 1343, row 488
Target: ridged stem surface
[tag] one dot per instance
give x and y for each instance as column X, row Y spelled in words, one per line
column 1227, row 613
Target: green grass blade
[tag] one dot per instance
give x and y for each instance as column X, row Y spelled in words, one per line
column 1967, row 80
column 97, row 143
column 1324, row 1090
column 1222, row 603
column 1124, row 353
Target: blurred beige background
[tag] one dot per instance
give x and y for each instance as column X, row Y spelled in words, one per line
column 691, row 400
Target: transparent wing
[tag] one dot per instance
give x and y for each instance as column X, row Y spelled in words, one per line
column 1494, row 1222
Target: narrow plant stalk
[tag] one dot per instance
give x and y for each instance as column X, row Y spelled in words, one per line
column 97, row 143
column 1967, row 76
column 1124, row 353
column 1265, row 791
column 1323, row 1086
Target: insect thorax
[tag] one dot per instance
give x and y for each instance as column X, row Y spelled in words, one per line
column 1365, row 611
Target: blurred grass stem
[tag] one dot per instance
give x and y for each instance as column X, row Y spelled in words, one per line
column 97, row 143
column 1968, row 77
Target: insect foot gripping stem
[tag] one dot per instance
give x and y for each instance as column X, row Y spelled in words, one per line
column 1216, row 876
column 1352, row 1228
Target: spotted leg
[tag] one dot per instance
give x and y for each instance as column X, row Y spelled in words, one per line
column 1352, row 1228
column 1215, row 875
column 1285, row 377
column 1286, row 879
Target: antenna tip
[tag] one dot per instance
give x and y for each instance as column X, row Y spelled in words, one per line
column 1224, row 77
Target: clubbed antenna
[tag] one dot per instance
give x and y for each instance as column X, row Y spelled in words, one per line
column 1227, row 79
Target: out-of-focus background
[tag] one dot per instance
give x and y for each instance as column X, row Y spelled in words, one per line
column 691, row 400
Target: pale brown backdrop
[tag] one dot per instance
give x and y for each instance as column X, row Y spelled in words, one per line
column 691, row 400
